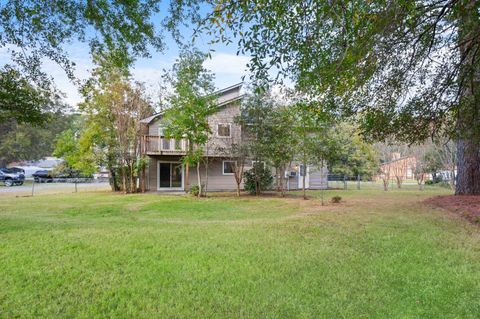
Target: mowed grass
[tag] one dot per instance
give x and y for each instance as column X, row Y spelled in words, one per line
column 376, row 255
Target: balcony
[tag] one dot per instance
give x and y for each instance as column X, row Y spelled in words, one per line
column 159, row 145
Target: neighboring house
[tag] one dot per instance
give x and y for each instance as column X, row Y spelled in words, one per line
column 165, row 171
column 400, row 167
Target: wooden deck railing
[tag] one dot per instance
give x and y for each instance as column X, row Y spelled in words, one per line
column 154, row 144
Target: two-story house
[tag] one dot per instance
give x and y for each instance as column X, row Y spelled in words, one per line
column 165, row 170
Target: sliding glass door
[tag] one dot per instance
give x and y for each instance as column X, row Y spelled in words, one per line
column 170, row 175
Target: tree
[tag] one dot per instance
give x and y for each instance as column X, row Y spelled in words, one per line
column 310, row 129
column 37, row 30
column 110, row 136
column 384, row 151
column 129, row 107
column 351, row 155
column 442, row 156
column 267, row 127
column 238, row 154
column 190, row 105
column 255, row 110
column 24, row 142
column 280, row 143
column 410, row 68
column 22, row 102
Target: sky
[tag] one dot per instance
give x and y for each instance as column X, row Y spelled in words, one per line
column 227, row 67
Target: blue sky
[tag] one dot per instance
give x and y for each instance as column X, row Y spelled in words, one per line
column 225, row 64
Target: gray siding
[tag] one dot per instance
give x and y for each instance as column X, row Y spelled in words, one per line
column 216, row 180
column 152, row 173
column 226, row 115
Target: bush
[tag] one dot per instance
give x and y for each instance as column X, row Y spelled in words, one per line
column 194, row 190
column 429, row 182
column 259, row 178
column 336, row 199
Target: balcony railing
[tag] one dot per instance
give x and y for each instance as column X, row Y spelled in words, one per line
column 153, row 144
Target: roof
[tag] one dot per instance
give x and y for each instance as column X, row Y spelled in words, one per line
column 149, row 119
column 238, row 85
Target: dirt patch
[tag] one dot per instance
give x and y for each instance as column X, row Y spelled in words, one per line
column 467, row 207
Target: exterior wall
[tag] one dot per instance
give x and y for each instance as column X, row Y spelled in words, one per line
column 216, row 180
column 153, row 126
column 152, row 173
column 216, row 145
column 226, row 115
column 403, row 167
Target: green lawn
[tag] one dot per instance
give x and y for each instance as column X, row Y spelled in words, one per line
column 376, row 255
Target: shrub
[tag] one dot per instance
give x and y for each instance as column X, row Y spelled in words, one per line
column 194, row 190
column 258, row 179
column 336, row 199
column 429, row 182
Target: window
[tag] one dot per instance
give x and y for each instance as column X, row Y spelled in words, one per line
column 223, row 130
column 229, row 167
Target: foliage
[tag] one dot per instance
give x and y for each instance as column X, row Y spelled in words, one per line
column 336, row 199
column 69, row 147
column 194, row 190
column 35, row 31
column 350, row 154
column 23, row 102
column 110, row 136
column 258, row 179
column 407, row 69
column 63, row 170
column 190, row 105
column 24, row 142
column 267, row 126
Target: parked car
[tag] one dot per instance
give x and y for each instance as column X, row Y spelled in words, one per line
column 17, row 170
column 43, row 176
column 10, row 177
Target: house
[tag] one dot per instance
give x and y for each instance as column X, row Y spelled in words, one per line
column 165, row 171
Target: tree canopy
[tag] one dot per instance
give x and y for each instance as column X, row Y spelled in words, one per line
column 33, row 31
column 408, row 67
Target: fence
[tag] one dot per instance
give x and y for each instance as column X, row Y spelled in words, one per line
column 40, row 186
column 361, row 182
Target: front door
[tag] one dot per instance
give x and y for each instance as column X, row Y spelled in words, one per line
column 170, row 175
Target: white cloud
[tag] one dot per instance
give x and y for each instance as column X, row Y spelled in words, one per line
column 224, row 64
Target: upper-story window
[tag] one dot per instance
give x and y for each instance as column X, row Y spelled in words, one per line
column 224, row 130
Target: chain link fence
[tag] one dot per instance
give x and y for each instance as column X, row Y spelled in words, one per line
column 42, row 186
column 360, row 182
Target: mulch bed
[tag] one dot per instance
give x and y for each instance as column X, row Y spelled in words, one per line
column 467, row 207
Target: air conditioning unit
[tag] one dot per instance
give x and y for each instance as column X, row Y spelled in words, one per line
column 290, row 174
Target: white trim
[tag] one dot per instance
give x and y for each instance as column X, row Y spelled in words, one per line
column 229, row 130
column 223, row 167
column 158, row 176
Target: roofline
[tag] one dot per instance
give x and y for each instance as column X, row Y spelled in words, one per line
column 154, row 116
column 229, row 88
column 231, row 100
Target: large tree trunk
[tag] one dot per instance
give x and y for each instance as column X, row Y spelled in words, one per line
column 468, row 168
column 468, row 121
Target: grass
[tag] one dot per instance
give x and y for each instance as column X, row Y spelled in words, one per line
column 375, row 255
